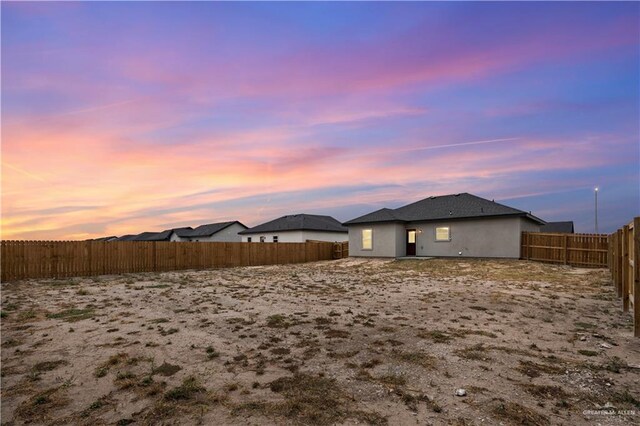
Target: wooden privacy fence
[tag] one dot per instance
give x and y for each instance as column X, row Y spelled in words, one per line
column 584, row 250
column 624, row 264
column 58, row 259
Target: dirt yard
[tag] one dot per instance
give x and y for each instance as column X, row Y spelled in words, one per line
column 338, row 342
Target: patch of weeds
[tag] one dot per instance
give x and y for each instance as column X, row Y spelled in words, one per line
column 532, row 369
column 280, row 351
column 336, row 334
column 625, row 397
column 371, row 363
column 547, row 392
column 419, row 358
column 342, row 355
column 212, row 353
column 72, row 315
column 436, row 336
column 392, row 379
column 615, row 365
column 3, row 314
column 309, row 400
column 518, row 414
column 27, row 315
column 476, row 353
column 187, row 390
column 587, row 352
column 584, row 325
column 166, row 369
column 278, row 321
column 478, row 308
column 38, row 406
column 412, row 401
column 169, row 331
column 114, row 360
column 48, row 365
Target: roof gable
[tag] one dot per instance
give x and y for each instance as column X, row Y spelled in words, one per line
column 210, row 229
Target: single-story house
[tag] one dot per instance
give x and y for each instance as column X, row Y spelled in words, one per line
column 454, row 225
column 297, row 228
column 221, row 232
column 558, row 227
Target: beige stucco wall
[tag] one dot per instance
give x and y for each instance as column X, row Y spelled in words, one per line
column 388, row 240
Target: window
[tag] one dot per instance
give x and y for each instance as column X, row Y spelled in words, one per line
column 367, row 239
column 262, row 238
column 248, row 239
column 443, row 234
column 411, row 236
column 275, row 238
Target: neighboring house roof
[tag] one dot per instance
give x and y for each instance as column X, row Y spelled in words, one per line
column 160, row 236
column 454, row 206
column 558, row 227
column 298, row 222
column 210, row 229
column 111, row 238
column 128, row 237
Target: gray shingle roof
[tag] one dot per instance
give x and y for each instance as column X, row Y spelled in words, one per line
column 153, row 236
column 455, row 206
column 128, row 237
column 209, row 229
column 558, row 227
column 299, row 222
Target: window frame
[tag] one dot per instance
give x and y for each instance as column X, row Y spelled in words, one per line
column 438, row 240
column 275, row 238
column 263, row 238
column 248, row 239
column 370, row 239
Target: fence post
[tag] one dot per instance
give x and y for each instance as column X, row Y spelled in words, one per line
column 636, row 277
column 566, row 249
column 625, row 268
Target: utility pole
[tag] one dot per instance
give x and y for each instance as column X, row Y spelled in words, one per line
column 596, row 193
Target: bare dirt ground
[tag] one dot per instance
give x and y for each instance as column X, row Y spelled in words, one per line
column 339, row 342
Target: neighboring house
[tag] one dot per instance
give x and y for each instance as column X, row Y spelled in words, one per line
column 111, row 238
column 558, row 227
column 297, row 228
column 449, row 225
column 166, row 235
column 221, row 232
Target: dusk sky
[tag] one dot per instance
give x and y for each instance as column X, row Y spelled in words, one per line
column 125, row 117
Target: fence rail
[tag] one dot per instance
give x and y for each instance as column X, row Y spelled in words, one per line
column 584, row 250
column 59, row 259
column 624, row 264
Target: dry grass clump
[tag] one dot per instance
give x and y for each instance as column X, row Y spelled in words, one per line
column 39, row 407
column 532, row 369
column 72, row 315
column 545, row 391
column 418, row 358
column 518, row 414
column 309, row 400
